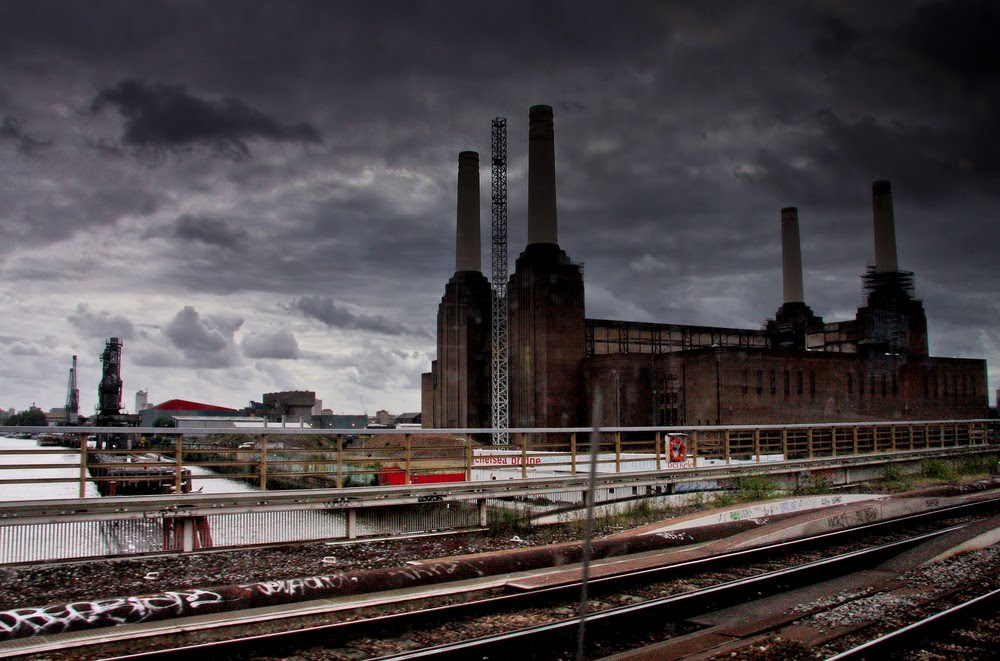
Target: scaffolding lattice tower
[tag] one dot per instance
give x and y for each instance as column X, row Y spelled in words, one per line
column 498, row 180
column 72, row 397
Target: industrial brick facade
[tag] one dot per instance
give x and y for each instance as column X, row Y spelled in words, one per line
column 547, row 339
column 459, row 382
column 728, row 386
column 563, row 368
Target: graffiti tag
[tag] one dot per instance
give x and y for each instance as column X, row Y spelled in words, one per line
column 104, row 612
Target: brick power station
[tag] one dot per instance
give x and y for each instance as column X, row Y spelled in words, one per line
column 797, row 368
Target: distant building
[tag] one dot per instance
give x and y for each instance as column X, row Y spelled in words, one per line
column 56, row 416
column 141, row 401
column 565, row 369
column 201, row 425
column 340, row 421
column 409, row 419
column 180, row 408
column 288, row 405
column 385, row 418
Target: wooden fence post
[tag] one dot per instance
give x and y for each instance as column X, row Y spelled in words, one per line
column 406, row 450
column 83, row 465
column 263, row 463
column 340, row 461
column 179, row 464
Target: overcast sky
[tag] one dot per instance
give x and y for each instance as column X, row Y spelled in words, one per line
column 260, row 196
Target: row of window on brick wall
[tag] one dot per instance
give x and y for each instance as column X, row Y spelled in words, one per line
column 788, row 382
column 875, row 384
column 937, row 386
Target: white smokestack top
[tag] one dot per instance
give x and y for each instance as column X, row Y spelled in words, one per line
column 791, row 256
column 467, row 248
column 542, row 227
column 885, row 227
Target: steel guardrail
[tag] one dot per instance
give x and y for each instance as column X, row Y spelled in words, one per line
column 195, row 504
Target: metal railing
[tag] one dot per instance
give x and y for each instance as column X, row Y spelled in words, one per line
column 389, row 482
column 313, row 458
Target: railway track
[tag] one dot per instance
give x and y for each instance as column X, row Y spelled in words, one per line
column 542, row 618
column 969, row 629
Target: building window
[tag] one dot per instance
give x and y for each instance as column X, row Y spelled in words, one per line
column 885, row 385
column 788, row 384
column 861, row 384
column 774, row 382
column 850, row 383
column 871, row 385
column 812, row 383
column 760, row 382
column 895, row 385
column 746, row 381
column 798, row 381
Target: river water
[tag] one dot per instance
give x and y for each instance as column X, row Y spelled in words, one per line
column 29, row 542
column 67, row 464
column 22, row 543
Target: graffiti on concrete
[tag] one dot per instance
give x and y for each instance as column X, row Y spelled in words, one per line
column 855, row 518
column 675, row 536
column 417, row 572
column 103, row 612
column 297, row 587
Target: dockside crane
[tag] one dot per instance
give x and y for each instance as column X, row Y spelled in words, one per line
column 72, row 397
column 498, row 181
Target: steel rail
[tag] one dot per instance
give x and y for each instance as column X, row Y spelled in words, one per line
column 507, row 645
column 316, row 634
column 895, row 640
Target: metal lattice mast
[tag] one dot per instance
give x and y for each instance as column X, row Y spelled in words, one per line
column 498, row 179
column 72, row 397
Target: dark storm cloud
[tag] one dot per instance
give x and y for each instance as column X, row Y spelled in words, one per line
column 936, row 162
column 336, row 315
column 909, row 94
column 377, row 367
column 211, row 231
column 162, row 116
column 682, row 128
column 12, row 130
column 280, row 345
column 101, row 324
column 959, row 36
column 204, row 341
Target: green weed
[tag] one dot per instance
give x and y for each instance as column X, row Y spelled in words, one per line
column 937, row 469
column 894, row 478
column 814, row 485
